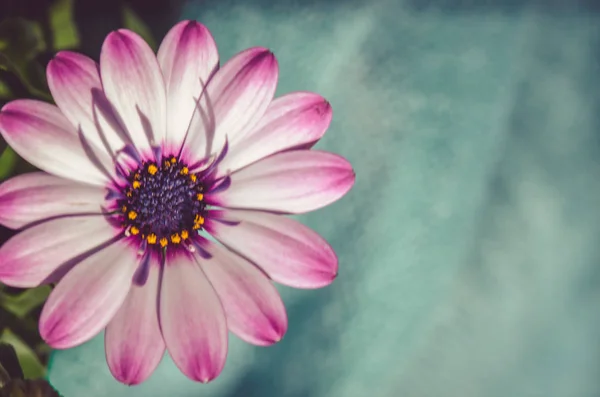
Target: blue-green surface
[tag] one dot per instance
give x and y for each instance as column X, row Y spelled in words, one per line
column 469, row 257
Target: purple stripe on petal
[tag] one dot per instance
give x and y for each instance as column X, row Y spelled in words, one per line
column 289, row 252
column 131, row 151
column 253, row 307
column 192, row 319
column 32, row 256
column 133, row 82
column 75, row 84
column 221, row 185
column 133, row 341
column 198, row 248
column 88, row 297
column 237, row 97
column 36, row 196
column 43, row 136
column 292, row 121
column 141, row 274
column 113, row 195
column 293, row 182
column 188, row 58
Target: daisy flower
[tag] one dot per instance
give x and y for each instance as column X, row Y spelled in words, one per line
column 143, row 157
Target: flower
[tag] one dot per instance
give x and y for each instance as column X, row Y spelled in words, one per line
column 144, row 156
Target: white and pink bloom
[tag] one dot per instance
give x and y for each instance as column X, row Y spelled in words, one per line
column 143, row 157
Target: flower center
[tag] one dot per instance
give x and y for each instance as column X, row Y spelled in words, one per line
column 163, row 204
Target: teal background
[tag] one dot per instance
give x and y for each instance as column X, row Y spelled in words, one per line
column 469, row 245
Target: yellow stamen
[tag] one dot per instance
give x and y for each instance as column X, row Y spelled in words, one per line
column 136, row 184
column 184, row 171
column 151, row 238
column 128, row 194
column 164, row 242
column 132, row 215
column 175, row 238
column 193, row 177
column 134, row 230
column 152, row 169
column 184, row 234
column 173, row 160
column 200, row 196
column 137, row 175
column 198, row 222
column 167, row 163
column 124, row 208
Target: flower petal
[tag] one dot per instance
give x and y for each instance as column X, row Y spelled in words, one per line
column 88, row 297
column 133, row 341
column 43, row 136
column 253, row 307
column 294, row 182
column 236, row 98
column 188, row 57
column 289, row 252
column 133, row 83
column 36, row 196
column 75, row 84
column 32, row 256
column 192, row 319
column 291, row 121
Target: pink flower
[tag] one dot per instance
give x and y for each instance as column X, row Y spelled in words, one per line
column 145, row 156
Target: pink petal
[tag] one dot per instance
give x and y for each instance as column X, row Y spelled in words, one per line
column 294, row 182
column 75, row 84
column 289, row 252
column 134, row 84
column 133, row 341
column 36, row 196
column 188, row 57
column 192, row 320
column 34, row 255
column 291, row 121
column 235, row 100
column 88, row 297
column 252, row 305
column 43, row 136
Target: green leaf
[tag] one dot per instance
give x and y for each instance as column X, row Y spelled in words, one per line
column 5, row 92
column 63, row 26
column 20, row 42
column 23, row 303
column 8, row 162
column 31, row 75
column 31, row 365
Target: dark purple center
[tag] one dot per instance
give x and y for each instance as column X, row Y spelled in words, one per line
column 164, row 203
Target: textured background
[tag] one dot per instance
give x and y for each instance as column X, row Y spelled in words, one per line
column 469, row 246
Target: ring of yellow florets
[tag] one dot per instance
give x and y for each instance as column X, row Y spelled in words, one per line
column 163, row 204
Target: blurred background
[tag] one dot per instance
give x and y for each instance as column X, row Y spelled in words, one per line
column 469, row 246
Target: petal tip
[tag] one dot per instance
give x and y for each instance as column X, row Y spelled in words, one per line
column 192, row 24
column 127, row 377
column 65, row 55
column 49, row 329
column 204, row 376
column 120, row 35
column 49, row 336
column 261, row 55
column 325, row 108
column 279, row 333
